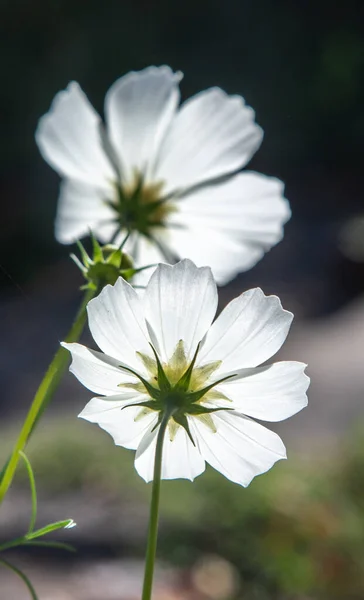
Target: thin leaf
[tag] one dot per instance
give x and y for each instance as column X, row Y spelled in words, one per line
column 33, row 492
column 48, row 528
column 3, row 470
column 17, row 542
column 59, row 545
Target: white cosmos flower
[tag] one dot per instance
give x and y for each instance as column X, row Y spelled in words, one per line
column 173, row 321
column 167, row 174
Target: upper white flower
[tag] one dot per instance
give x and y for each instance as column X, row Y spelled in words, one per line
column 168, row 175
column 211, row 407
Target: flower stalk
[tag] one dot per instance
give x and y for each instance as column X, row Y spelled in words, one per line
column 154, row 511
column 44, row 394
column 22, row 576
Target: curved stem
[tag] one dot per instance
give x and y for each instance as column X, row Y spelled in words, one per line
column 44, row 393
column 154, row 513
column 22, row 576
column 14, row 543
column 33, row 492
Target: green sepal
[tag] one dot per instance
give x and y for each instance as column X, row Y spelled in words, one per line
column 151, row 404
column 160, row 419
column 152, row 391
column 197, row 409
column 196, row 396
column 78, row 263
column 106, row 265
column 97, row 252
column 85, row 257
column 124, row 240
column 181, row 419
column 139, row 187
column 184, row 381
column 88, row 286
column 115, row 258
column 163, row 382
column 129, row 272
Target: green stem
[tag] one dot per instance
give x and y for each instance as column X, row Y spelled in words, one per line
column 154, row 512
column 44, row 394
column 22, row 576
column 33, row 492
column 16, row 542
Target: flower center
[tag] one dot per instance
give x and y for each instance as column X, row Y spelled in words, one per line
column 141, row 206
column 178, row 388
column 175, row 400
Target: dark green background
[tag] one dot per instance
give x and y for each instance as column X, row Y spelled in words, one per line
column 299, row 64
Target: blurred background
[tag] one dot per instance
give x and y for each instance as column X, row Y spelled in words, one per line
column 298, row 532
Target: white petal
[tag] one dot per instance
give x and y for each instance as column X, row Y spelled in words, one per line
column 271, row 393
column 69, row 138
column 226, row 256
column 212, row 135
column 123, row 424
column 138, row 109
column 181, row 459
column 240, row 448
column 96, row 371
column 180, row 302
column 117, row 324
column 248, row 205
column 145, row 252
column 245, row 215
column 250, row 329
column 82, row 208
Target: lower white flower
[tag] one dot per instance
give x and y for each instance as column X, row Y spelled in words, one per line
column 162, row 355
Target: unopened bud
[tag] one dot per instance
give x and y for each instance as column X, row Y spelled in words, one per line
column 106, row 265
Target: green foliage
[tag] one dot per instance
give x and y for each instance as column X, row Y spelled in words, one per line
column 295, row 532
column 32, row 535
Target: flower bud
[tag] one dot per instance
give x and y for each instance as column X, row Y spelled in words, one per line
column 105, row 266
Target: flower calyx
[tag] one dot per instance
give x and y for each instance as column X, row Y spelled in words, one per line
column 141, row 206
column 105, row 266
column 179, row 399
